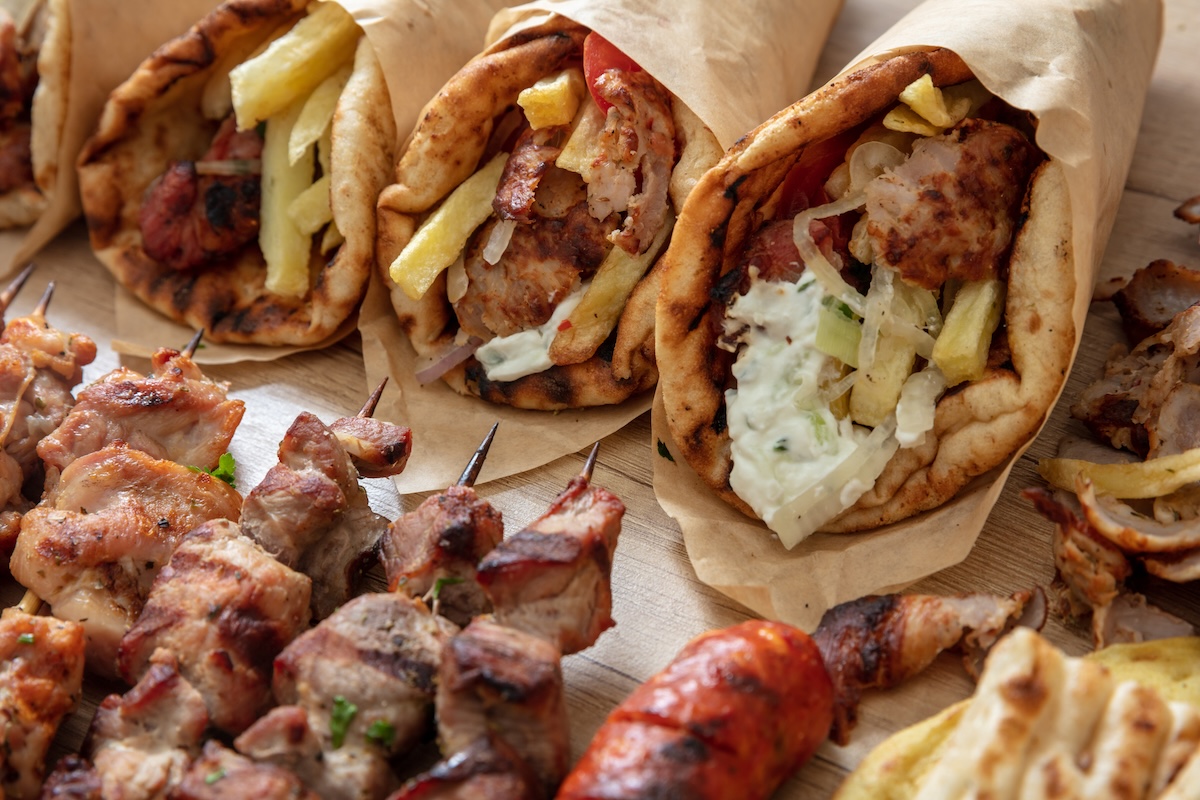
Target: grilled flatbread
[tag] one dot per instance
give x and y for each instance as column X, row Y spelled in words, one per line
column 156, row 117
column 977, row 425
column 457, row 129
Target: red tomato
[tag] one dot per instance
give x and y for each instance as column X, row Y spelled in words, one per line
column 804, row 186
column 599, row 56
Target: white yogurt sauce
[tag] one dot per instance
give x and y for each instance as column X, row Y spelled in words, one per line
column 507, row 358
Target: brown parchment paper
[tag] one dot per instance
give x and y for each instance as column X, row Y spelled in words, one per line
column 734, row 64
column 108, row 39
column 419, row 44
column 1082, row 67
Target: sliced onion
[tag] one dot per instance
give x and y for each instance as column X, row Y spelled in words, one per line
column 451, row 359
column 869, row 161
column 877, row 311
column 840, row 489
column 457, row 280
column 913, row 336
column 814, row 260
column 827, row 394
column 917, row 405
column 231, row 167
column 497, row 243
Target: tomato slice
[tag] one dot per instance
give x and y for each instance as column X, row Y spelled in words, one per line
column 599, row 56
column 804, row 186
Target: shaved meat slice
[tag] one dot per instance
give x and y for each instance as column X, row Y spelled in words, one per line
column 553, row 579
column 352, row 772
column 222, row 774
column 879, row 642
column 1131, row 618
column 1154, row 295
column 92, row 548
column 73, row 778
column 226, row 608
column 1133, row 532
column 380, row 654
column 142, row 742
column 41, row 680
column 535, row 151
column 950, row 210
column 1126, row 405
column 378, row 449
column 636, row 153
column 310, row 512
column 487, row 769
column 494, row 679
column 443, row 539
column 1175, row 567
column 175, row 414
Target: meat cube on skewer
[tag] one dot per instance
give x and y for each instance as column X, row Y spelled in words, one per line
column 93, row 547
column 553, row 578
column 41, row 679
column 442, row 540
column 497, row 679
column 311, row 513
column 222, row 774
column 226, row 609
column 176, row 413
column 487, row 769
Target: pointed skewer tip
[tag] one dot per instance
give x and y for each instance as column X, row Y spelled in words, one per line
column 590, row 464
column 189, row 349
column 30, row 603
column 368, row 408
column 44, row 303
column 14, row 287
column 476, row 463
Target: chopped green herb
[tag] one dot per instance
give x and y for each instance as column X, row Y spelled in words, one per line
column 214, row 776
column 441, row 583
column 664, row 452
column 780, row 446
column 224, row 470
column 381, row 733
column 340, row 719
column 25, row 638
column 833, row 304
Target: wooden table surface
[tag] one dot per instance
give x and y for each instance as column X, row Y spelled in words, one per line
column 658, row 602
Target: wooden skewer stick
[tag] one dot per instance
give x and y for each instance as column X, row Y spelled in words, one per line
column 190, row 349
column 44, row 303
column 476, row 463
column 590, row 464
column 30, row 603
column 11, row 290
column 368, row 409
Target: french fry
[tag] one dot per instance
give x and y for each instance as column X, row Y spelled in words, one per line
column 216, row 100
column 580, row 150
column 1137, row 481
column 444, row 233
column 331, row 238
column 962, row 347
column 593, row 319
column 310, row 210
column 294, row 64
column 317, row 113
column 284, row 247
column 553, row 100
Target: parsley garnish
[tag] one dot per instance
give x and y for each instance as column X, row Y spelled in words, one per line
column 442, row 583
column 381, row 733
column 25, row 638
column 664, row 452
column 214, row 776
column 224, row 470
column 340, row 719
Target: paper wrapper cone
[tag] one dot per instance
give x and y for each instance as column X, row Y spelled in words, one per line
column 419, row 45
column 104, row 42
column 733, row 64
column 1082, row 67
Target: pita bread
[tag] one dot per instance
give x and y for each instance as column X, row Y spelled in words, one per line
column 977, row 425
column 43, row 27
column 155, row 117
column 1042, row 724
column 446, row 147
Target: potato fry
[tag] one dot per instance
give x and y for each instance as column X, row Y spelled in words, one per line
column 331, row 238
column 580, row 150
column 962, row 347
column 216, row 100
column 927, row 100
column 553, row 100
column 317, row 113
column 294, row 65
column 1136, row 481
column 444, row 233
column 310, row 210
column 284, row 247
column 597, row 313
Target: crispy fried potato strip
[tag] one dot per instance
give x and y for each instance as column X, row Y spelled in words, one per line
column 1137, row 481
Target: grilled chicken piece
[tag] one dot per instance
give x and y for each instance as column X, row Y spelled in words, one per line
column 354, row 771
column 175, row 414
column 226, row 609
column 950, row 210
column 377, row 449
column 637, row 151
column 443, row 539
column 495, row 679
column 141, row 743
column 222, row 774
column 878, row 642
column 1154, row 295
column 1146, row 398
column 311, row 513
column 93, row 547
column 41, row 680
column 379, row 653
column 487, row 769
column 553, row 579
column 533, row 154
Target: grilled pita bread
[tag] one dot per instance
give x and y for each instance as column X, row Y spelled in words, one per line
column 978, row 425
column 1043, row 725
column 44, row 28
column 155, row 117
column 446, row 147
